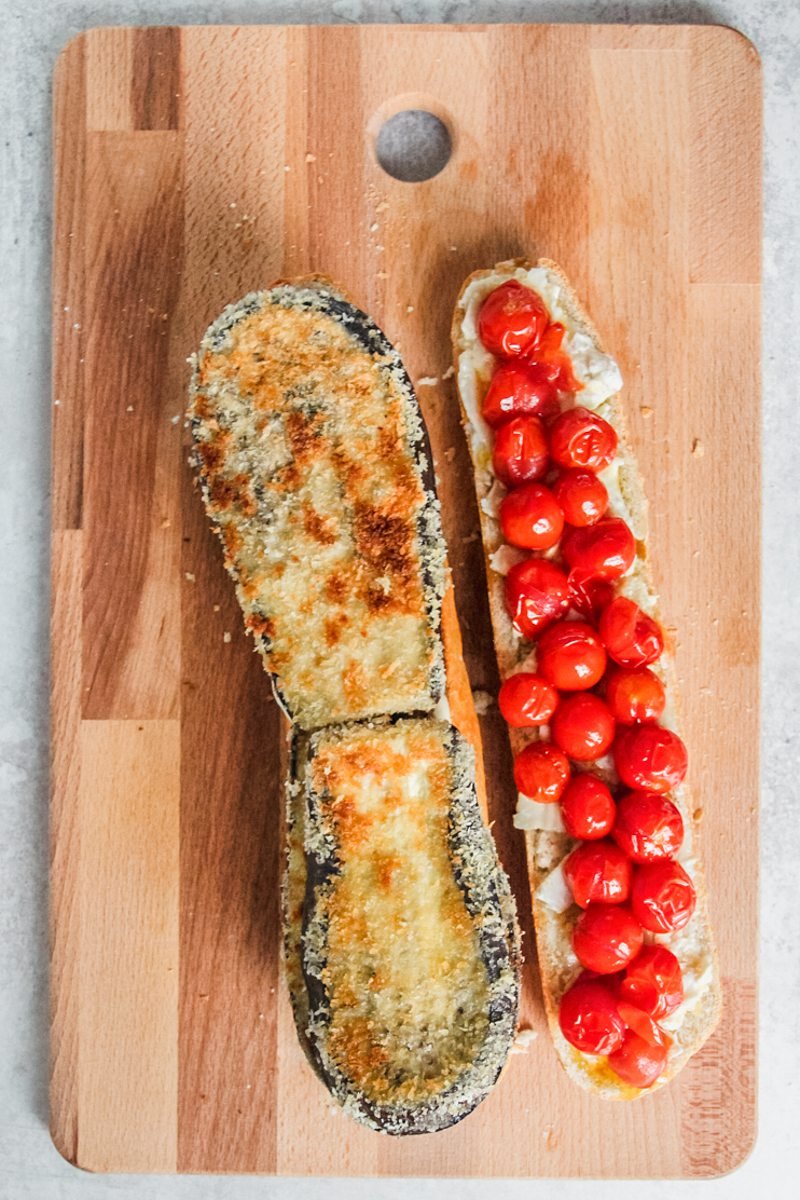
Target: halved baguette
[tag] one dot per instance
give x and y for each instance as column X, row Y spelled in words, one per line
column 546, row 843
column 316, row 471
column 302, row 352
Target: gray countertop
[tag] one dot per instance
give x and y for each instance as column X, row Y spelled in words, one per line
column 30, row 1168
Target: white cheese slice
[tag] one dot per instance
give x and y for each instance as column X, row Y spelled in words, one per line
column 531, row 814
column 504, row 558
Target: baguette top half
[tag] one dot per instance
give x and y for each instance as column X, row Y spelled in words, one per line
column 546, row 842
column 402, row 943
column 316, row 471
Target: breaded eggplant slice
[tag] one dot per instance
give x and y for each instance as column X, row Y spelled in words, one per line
column 408, row 946
column 316, row 471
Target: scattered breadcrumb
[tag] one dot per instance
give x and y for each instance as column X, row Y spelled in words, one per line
column 409, row 308
column 698, row 814
column 471, row 537
column 646, row 410
column 382, row 275
column 550, row 1137
column 165, row 524
column 216, row 608
column 698, row 449
column 374, row 227
column 311, row 158
column 450, row 453
column 450, row 372
column 382, row 207
column 174, row 420
column 482, row 701
column 226, row 637
column 189, row 577
column 428, row 381
column 524, row 1038
column 129, row 408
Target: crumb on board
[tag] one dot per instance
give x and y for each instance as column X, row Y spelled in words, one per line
column 217, row 607
column 226, row 637
column 449, row 454
column 189, row 576
column 450, row 372
column 428, row 381
column 698, row 449
column 483, row 701
column 311, row 158
column 646, row 410
column 524, row 1039
column 165, row 524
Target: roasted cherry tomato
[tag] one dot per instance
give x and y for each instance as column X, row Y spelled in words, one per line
column 571, row 656
column 530, row 517
column 551, row 356
column 588, row 807
column 653, row 982
column 520, row 389
column 648, row 826
column 536, row 594
column 632, row 638
column 635, row 695
column 662, row 896
column 606, row 937
column 526, row 699
column 520, row 451
column 598, row 873
column 637, row 1062
column 541, row 772
column 581, row 439
column 605, row 549
column 582, row 496
column 588, row 1017
column 583, row 727
column 649, row 758
column 588, row 594
column 643, row 1024
column 511, row 320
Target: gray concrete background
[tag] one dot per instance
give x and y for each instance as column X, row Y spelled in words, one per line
column 31, row 34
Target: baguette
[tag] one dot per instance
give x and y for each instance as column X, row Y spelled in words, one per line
column 547, row 842
column 400, row 938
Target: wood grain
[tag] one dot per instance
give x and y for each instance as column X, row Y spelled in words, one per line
column 193, row 165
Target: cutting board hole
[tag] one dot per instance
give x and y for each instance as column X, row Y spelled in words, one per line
column 413, row 145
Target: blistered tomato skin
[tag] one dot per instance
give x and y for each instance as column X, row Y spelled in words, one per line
column 649, row 759
column 607, row 937
column 643, row 1024
column 519, row 389
column 662, row 896
column 588, row 1018
column 582, row 496
column 583, row 727
column 587, row 807
column 541, row 772
column 588, row 594
column 530, row 517
column 632, row 638
column 536, row 594
column 605, row 550
column 527, row 700
column 637, row 1062
column 512, row 320
column 635, row 695
column 571, row 656
column 648, row 827
column 598, row 873
column 653, row 982
column 520, row 451
column 579, row 438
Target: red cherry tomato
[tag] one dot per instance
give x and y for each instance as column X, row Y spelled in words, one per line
column 635, row 695
column 649, row 758
column 530, row 517
column 526, row 699
column 583, row 727
column 517, row 389
column 511, row 320
column 571, row 656
column 653, row 982
column 598, row 873
column 588, row 808
column 551, row 356
column 643, row 1024
column 637, row 1062
column 541, row 772
column 632, row 638
column 588, row 1017
column 662, row 896
column 520, row 451
column 606, row 937
column 581, row 439
column 648, row 826
column 582, row 496
column 606, row 549
column 588, row 594
column 536, row 594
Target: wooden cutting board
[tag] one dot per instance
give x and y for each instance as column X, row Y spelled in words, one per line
column 193, row 165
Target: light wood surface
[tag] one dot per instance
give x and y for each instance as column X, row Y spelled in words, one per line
column 191, row 166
